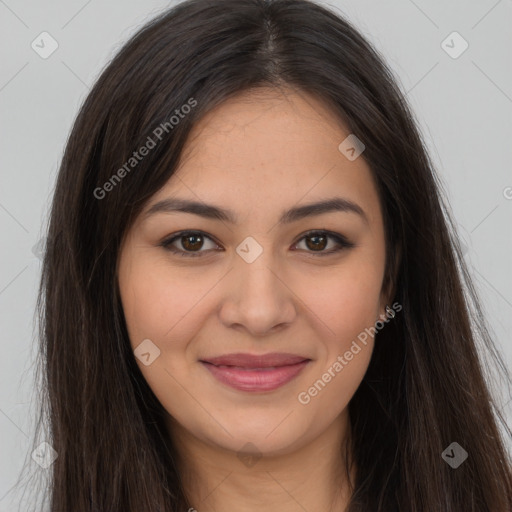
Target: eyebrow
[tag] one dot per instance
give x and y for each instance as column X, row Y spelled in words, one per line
column 209, row 211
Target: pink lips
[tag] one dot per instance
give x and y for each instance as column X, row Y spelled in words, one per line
column 248, row 372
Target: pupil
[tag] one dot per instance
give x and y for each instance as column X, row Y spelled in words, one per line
column 196, row 242
column 315, row 243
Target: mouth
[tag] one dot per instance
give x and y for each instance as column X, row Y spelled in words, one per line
column 247, row 372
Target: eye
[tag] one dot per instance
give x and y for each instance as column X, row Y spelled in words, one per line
column 317, row 241
column 192, row 242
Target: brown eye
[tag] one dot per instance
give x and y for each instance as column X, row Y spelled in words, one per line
column 317, row 241
column 189, row 243
column 192, row 242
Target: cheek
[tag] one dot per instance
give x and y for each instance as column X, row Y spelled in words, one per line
column 344, row 300
column 164, row 306
column 350, row 313
column 347, row 304
column 159, row 303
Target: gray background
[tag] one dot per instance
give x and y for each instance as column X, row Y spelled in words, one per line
column 463, row 106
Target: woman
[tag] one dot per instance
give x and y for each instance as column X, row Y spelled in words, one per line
column 253, row 295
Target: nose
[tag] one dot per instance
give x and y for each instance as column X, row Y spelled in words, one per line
column 258, row 298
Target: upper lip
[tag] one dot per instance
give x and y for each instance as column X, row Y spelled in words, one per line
column 255, row 361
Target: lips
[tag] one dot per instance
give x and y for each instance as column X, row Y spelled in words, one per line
column 250, row 361
column 257, row 373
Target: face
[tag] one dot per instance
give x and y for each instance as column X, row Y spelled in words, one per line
column 259, row 275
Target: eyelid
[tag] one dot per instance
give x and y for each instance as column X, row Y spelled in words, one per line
column 341, row 240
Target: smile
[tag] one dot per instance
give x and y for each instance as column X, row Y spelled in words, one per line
column 246, row 372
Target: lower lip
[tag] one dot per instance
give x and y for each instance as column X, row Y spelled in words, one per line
column 263, row 379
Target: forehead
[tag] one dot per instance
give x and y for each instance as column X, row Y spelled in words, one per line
column 264, row 150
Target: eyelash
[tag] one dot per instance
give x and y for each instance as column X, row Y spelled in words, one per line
column 342, row 242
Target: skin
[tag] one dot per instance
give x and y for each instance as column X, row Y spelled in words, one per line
column 258, row 154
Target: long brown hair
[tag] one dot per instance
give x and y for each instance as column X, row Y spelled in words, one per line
column 424, row 388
